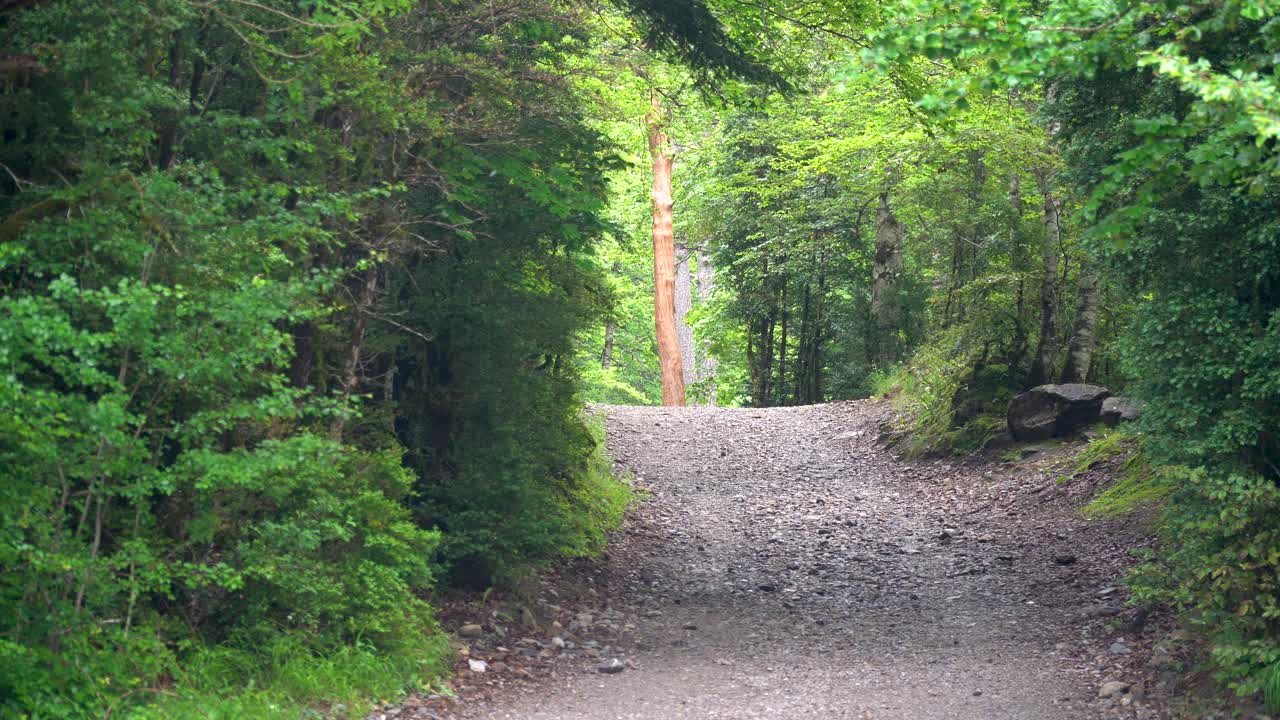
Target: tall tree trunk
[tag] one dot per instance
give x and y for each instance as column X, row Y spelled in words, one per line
column 684, row 303
column 1080, row 349
column 706, row 367
column 781, row 386
column 1047, row 347
column 167, row 135
column 1018, row 261
column 886, row 275
column 664, row 261
column 819, row 334
column 766, row 359
column 351, row 377
column 802, row 350
column 606, row 357
column 610, row 329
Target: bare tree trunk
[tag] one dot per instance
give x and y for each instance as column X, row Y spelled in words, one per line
column 706, row 368
column 351, row 368
column 664, row 280
column 766, row 359
column 606, row 357
column 167, row 137
column 610, row 330
column 684, row 302
column 818, row 336
column 1080, row 349
column 802, row 348
column 1018, row 260
column 886, row 273
column 1047, row 347
column 781, row 386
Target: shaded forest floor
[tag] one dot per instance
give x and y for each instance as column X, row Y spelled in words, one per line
column 785, row 563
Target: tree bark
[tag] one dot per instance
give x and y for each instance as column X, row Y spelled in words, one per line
column 706, row 365
column 1047, row 346
column 684, row 303
column 781, row 386
column 610, row 330
column 886, row 274
column 1018, row 260
column 802, row 348
column 351, row 376
column 1080, row 349
column 167, row 134
column 606, row 357
column 664, row 279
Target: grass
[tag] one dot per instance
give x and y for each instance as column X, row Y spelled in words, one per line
column 285, row 681
column 1271, row 687
column 922, row 390
column 1139, row 484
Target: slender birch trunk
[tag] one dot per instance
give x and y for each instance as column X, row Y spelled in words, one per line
column 1080, row 349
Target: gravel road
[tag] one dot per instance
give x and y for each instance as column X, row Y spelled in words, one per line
column 784, row 564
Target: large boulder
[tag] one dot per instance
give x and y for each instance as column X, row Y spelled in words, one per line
column 1055, row 410
column 1116, row 410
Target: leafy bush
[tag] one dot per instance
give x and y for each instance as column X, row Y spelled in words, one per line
column 528, row 509
column 1221, row 567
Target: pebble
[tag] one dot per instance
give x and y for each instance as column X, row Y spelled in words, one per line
column 1112, row 689
column 471, row 630
column 477, row 666
column 611, row 667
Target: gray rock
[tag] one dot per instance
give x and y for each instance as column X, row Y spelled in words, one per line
column 471, row 630
column 1113, row 689
column 1054, row 410
column 611, row 667
column 1118, row 648
column 1116, row 410
column 557, row 642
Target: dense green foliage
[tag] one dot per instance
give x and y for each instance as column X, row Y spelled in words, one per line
column 300, row 301
column 286, row 295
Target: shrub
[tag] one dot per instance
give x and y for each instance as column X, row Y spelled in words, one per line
column 1221, row 567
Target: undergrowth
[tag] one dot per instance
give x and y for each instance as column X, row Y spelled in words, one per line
column 925, row 391
column 1138, row 483
column 286, row 681
column 1271, row 686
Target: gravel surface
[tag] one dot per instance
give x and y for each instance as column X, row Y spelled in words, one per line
column 785, row 564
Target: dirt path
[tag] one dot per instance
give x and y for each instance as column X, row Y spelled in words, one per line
column 786, row 565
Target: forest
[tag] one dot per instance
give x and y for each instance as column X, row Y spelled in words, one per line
column 305, row 304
